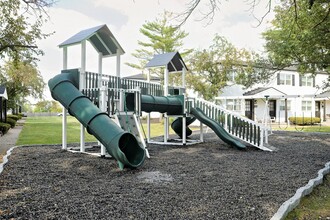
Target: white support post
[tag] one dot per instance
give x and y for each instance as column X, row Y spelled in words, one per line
column 102, row 97
column 148, row 115
column 100, row 67
column 148, row 127
column 165, row 128
column 82, row 86
column 165, row 115
column 118, row 67
column 166, row 82
column 262, row 137
column 184, row 119
column 184, row 126
column 201, row 132
column 64, row 111
column 103, row 108
column 121, row 100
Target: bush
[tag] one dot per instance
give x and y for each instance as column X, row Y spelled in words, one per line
column 11, row 121
column 4, row 127
column 21, row 115
column 15, row 117
column 304, row 120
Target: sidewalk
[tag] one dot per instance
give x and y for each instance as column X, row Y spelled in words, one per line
column 9, row 140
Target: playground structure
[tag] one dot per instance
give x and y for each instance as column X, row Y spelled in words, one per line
column 110, row 106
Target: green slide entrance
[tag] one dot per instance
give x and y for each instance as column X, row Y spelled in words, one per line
column 120, row 144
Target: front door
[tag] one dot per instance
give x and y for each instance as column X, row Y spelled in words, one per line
column 272, row 108
column 318, row 109
column 249, row 108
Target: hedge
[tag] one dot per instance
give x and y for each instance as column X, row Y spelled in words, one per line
column 11, row 121
column 304, row 120
column 15, row 117
column 4, row 127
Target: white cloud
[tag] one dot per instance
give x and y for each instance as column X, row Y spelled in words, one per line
column 232, row 21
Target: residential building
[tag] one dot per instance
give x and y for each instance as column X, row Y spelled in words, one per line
column 288, row 94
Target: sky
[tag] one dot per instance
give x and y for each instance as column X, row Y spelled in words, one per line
column 124, row 19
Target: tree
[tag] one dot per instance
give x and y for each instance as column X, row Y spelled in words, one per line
column 20, row 24
column 21, row 79
column 211, row 69
column 300, row 36
column 161, row 38
column 214, row 5
column 47, row 106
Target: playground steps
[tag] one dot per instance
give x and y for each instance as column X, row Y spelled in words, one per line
column 128, row 121
column 244, row 129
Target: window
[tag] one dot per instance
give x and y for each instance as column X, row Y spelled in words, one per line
column 306, row 80
column 232, row 75
column 285, row 79
column 306, row 105
column 233, row 104
column 248, row 105
column 282, row 105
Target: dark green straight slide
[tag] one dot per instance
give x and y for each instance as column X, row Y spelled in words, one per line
column 217, row 128
column 120, row 144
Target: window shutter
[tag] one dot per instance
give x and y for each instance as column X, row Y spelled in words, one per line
column 278, row 79
column 293, row 83
column 300, row 80
column 314, row 81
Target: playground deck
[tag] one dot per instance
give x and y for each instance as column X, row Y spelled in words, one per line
column 205, row 181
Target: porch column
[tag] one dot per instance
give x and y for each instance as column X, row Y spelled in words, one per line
column 1, row 109
column 286, row 110
column 324, row 110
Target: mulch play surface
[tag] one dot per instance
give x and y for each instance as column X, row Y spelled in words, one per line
column 210, row 180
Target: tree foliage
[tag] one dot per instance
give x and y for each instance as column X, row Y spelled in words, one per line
column 213, row 68
column 20, row 28
column 47, row 106
column 21, row 79
column 161, row 37
column 301, row 36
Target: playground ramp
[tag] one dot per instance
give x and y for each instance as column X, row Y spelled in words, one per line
column 120, row 144
column 217, row 128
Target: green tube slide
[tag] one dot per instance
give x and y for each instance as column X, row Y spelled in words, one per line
column 177, row 126
column 120, row 144
column 217, row 128
column 173, row 105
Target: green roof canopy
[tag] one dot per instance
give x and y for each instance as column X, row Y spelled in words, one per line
column 100, row 37
column 173, row 61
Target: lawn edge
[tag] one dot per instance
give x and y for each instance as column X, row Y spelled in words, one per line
column 294, row 201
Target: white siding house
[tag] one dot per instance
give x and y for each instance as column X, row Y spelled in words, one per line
column 288, row 94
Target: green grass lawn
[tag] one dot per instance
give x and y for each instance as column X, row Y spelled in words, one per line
column 306, row 128
column 315, row 205
column 48, row 130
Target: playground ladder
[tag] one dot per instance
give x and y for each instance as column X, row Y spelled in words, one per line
column 239, row 126
column 129, row 122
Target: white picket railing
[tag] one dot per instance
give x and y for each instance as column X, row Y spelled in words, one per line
column 239, row 126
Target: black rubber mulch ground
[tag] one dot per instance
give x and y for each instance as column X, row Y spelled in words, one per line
column 204, row 181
